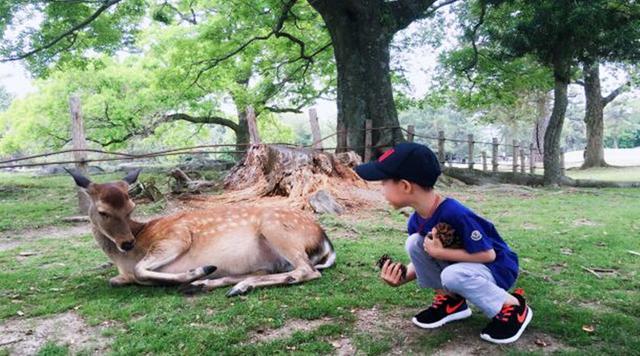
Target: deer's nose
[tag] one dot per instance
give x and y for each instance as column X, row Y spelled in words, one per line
column 127, row 245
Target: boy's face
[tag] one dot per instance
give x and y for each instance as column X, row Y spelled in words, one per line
column 397, row 192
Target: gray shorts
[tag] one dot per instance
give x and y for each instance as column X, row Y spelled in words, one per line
column 473, row 281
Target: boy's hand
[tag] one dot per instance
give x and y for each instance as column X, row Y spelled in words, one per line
column 433, row 246
column 391, row 273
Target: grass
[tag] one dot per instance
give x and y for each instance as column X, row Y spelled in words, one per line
column 555, row 232
column 28, row 202
column 621, row 174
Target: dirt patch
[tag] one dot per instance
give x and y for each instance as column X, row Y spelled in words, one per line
column 584, row 222
column 9, row 240
column 27, row 336
column 288, row 329
column 466, row 342
column 13, row 239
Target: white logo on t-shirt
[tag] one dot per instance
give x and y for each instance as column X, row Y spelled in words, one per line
column 476, row 235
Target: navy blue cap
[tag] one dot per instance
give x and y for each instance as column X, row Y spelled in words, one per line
column 411, row 161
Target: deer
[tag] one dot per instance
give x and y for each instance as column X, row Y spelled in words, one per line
column 246, row 246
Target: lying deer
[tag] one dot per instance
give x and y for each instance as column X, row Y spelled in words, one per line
column 247, row 246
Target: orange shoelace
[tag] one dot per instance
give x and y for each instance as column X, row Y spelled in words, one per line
column 438, row 299
column 505, row 312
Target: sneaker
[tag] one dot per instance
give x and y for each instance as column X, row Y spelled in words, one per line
column 508, row 325
column 445, row 308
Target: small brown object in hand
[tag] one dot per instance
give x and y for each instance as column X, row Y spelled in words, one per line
column 384, row 259
column 447, row 235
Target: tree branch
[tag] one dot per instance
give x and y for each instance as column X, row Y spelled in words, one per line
column 275, row 30
column 614, row 94
column 404, row 12
column 104, row 7
column 214, row 120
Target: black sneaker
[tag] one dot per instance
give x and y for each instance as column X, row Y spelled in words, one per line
column 445, row 308
column 508, row 325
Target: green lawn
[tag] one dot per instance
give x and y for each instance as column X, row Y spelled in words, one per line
column 622, row 174
column 557, row 234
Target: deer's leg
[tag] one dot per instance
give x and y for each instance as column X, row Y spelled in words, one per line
column 161, row 255
column 121, row 280
column 206, row 285
column 298, row 275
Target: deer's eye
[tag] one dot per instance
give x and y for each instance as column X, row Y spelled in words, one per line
column 103, row 214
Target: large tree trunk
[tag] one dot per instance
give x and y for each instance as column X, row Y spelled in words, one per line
column 552, row 170
column 361, row 47
column 593, row 117
column 242, row 133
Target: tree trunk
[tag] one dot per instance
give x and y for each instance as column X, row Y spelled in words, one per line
column 361, row 48
column 551, row 159
column 594, row 117
column 242, row 133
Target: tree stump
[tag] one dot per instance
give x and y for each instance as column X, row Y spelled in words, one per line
column 296, row 174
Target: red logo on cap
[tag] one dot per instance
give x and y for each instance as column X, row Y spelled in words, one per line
column 386, row 154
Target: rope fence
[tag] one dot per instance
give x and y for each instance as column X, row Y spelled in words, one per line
column 518, row 158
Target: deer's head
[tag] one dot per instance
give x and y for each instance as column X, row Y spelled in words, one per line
column 111, row 207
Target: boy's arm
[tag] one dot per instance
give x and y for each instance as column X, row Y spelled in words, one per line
column 435, row 249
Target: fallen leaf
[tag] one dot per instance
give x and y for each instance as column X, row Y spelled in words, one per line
column 20, row 313
column 588, row 328
column 541, row 343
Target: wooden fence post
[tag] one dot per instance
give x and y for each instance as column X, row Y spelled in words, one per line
column 532, row 160
column 441, row 155
column 368, row 125
column 342, row 138
column 254, row 137
column 315, row 129
column 79, row 142
column 484, row 161
column 522, row 166
column 494, row 154
column 515, row 156
column 410, row 132
column 562, row 163
column 470, row 141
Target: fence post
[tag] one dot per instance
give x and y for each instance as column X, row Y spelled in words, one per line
column 470, row 141
column 562, row 165
column 484, row 161
column 441, row 154
column 342, row 138
column 315, row 129
column 494, row 154
column 532, row 160
column 79, row 142
column 515, row 156
column 410, row 132
column 368, row 125
column 522, row 166
column 254, row 137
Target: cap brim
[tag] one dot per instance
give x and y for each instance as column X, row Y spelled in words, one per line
column 371, row 171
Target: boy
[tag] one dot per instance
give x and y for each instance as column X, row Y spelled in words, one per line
column 481, row 272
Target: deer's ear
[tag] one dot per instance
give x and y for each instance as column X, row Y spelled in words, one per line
column 132, row 176
column 81, row 181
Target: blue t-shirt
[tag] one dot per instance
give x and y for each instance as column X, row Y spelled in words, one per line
column 477, row 234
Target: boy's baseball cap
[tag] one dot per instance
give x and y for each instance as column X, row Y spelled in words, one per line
column 411, row 161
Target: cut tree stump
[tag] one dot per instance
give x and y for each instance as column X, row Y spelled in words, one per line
column 298, row 177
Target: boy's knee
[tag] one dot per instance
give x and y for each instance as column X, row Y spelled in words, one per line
column 453, row 278
column 414, row 244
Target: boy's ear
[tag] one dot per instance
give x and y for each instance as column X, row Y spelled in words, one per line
column 406, row 186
